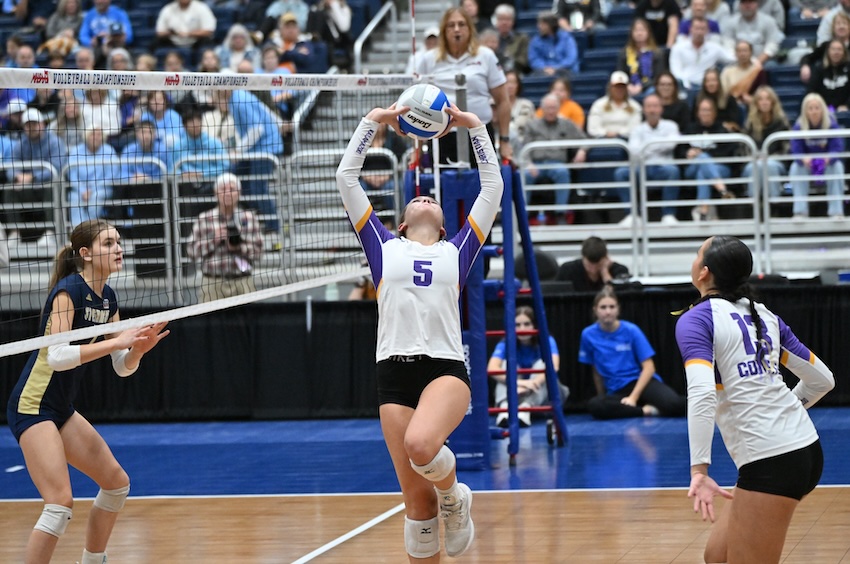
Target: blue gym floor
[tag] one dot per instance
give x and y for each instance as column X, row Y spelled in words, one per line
column 348, row 456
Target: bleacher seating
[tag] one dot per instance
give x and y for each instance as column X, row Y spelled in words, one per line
column 612, row 38
column 803, row 28
column 604, row 60
column 621, row 17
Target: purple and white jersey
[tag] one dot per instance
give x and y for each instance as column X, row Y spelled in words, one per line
column 419, row 285
column 732, row 380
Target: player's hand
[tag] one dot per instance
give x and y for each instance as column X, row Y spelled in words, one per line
column 703, row 489
column 151, row 336
column 462, row 119
column 388, row 116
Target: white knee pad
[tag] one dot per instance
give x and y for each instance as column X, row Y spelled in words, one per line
column 54, row 519
column 440, row 467
column 422, row 538
column 112, row 500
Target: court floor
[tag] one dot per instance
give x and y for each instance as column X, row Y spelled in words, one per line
column 324, row 491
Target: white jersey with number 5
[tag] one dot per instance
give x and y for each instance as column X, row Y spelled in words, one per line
column 419, row 285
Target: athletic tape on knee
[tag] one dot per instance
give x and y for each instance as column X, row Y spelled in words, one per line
column 112, row 500
column 54, row 519
column 422, row 538
column 440, row 467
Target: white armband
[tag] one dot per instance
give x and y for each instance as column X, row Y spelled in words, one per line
column 63, row 357
column 119, row 364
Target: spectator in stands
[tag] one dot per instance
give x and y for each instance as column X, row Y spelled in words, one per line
column 490, row 38
column 10, row 120
column 728, row 112
column 258, row 132
column 663, row 17
column 579, row 15
column 237, row 46
column 277, row 8
column 117, row 39
column 704, row 168
column 764, row 118
column 552, row 51
column 169, row 124
column 522, row 109
column 690, row 59
column 825, row 27
column 594, row 269
column 226, row 240
column 641, row 59
column 513, row 45
column 378, row 178
column 98, row 110
column 840, row 30
column 182, row 101
column 282, row 99
column 139, row 158
column 773, row 8
column 570, row 109
column 831, row 78
column 814, row 115
column 531, row 388
column 756, row 27
column 32, row 13
column 547, row 165
column 808, row 9
column 742, row 79
column 13, row 43
column 31, row 184
column 643, row 143
column 185, row 23
column 24, row 59
column 93, row 169
column 218, row 122
column 623, row 370
column 84, row 59
column 296, row 54
column 199, row 158
column 98, row 21
column 615, row 114
column 47, row 102
column 66, row 21
column 471, row 9
column 145, row 63
column 699, row 9
column 330, row 22
column 432, row 39
column 459, row 53
column 69, row 125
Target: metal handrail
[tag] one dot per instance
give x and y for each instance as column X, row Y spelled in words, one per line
column 390, row 8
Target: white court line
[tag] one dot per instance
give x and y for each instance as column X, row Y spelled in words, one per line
column 353, row 533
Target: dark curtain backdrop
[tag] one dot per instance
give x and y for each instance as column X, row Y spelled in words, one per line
column 261, row 362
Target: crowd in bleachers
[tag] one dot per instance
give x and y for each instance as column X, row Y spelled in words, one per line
column 716, row 66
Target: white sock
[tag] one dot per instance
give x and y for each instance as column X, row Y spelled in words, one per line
column 449, row 496
column 93, row 557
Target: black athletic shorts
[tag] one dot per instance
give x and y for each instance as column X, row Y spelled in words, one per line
column 401, row 379
column 793, row 474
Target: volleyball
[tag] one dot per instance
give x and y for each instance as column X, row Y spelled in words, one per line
column 427, row 116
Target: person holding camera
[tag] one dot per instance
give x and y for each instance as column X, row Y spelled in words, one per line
column 226, row 240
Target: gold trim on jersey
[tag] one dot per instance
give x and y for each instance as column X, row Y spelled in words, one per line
column 37, row 382
column 362, row 221
column 480, row 234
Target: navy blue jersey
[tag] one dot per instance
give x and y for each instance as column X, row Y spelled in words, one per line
column 40, row 389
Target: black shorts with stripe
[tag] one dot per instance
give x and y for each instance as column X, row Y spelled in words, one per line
column 402, row 379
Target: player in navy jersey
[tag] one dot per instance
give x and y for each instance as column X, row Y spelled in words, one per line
column 732, row 348
column 41, row 409
column 423, row 385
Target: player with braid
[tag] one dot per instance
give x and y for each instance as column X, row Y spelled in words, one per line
column 41, row 414
column 732, row 347
column 423, row 385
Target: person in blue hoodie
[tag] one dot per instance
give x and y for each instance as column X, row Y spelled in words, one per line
column 137, row 157
column 814, row 114
column 97, row 22
column 199, row 157
column 553, row 51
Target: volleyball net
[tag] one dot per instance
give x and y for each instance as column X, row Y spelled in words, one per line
column 144, row 150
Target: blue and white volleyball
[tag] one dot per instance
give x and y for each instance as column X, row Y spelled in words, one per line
column 427, row 116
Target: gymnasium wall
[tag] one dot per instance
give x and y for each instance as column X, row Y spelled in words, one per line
column 261, row 361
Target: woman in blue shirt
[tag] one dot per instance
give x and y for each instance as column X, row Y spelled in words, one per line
column 623, row 369
column 531, row 388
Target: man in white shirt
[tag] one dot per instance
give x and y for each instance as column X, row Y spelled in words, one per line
column 756, row 28
column 185, row 23
column 690, row 59
column 643, row 145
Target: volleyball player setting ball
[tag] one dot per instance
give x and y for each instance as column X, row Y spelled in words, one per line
column 423, row 385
